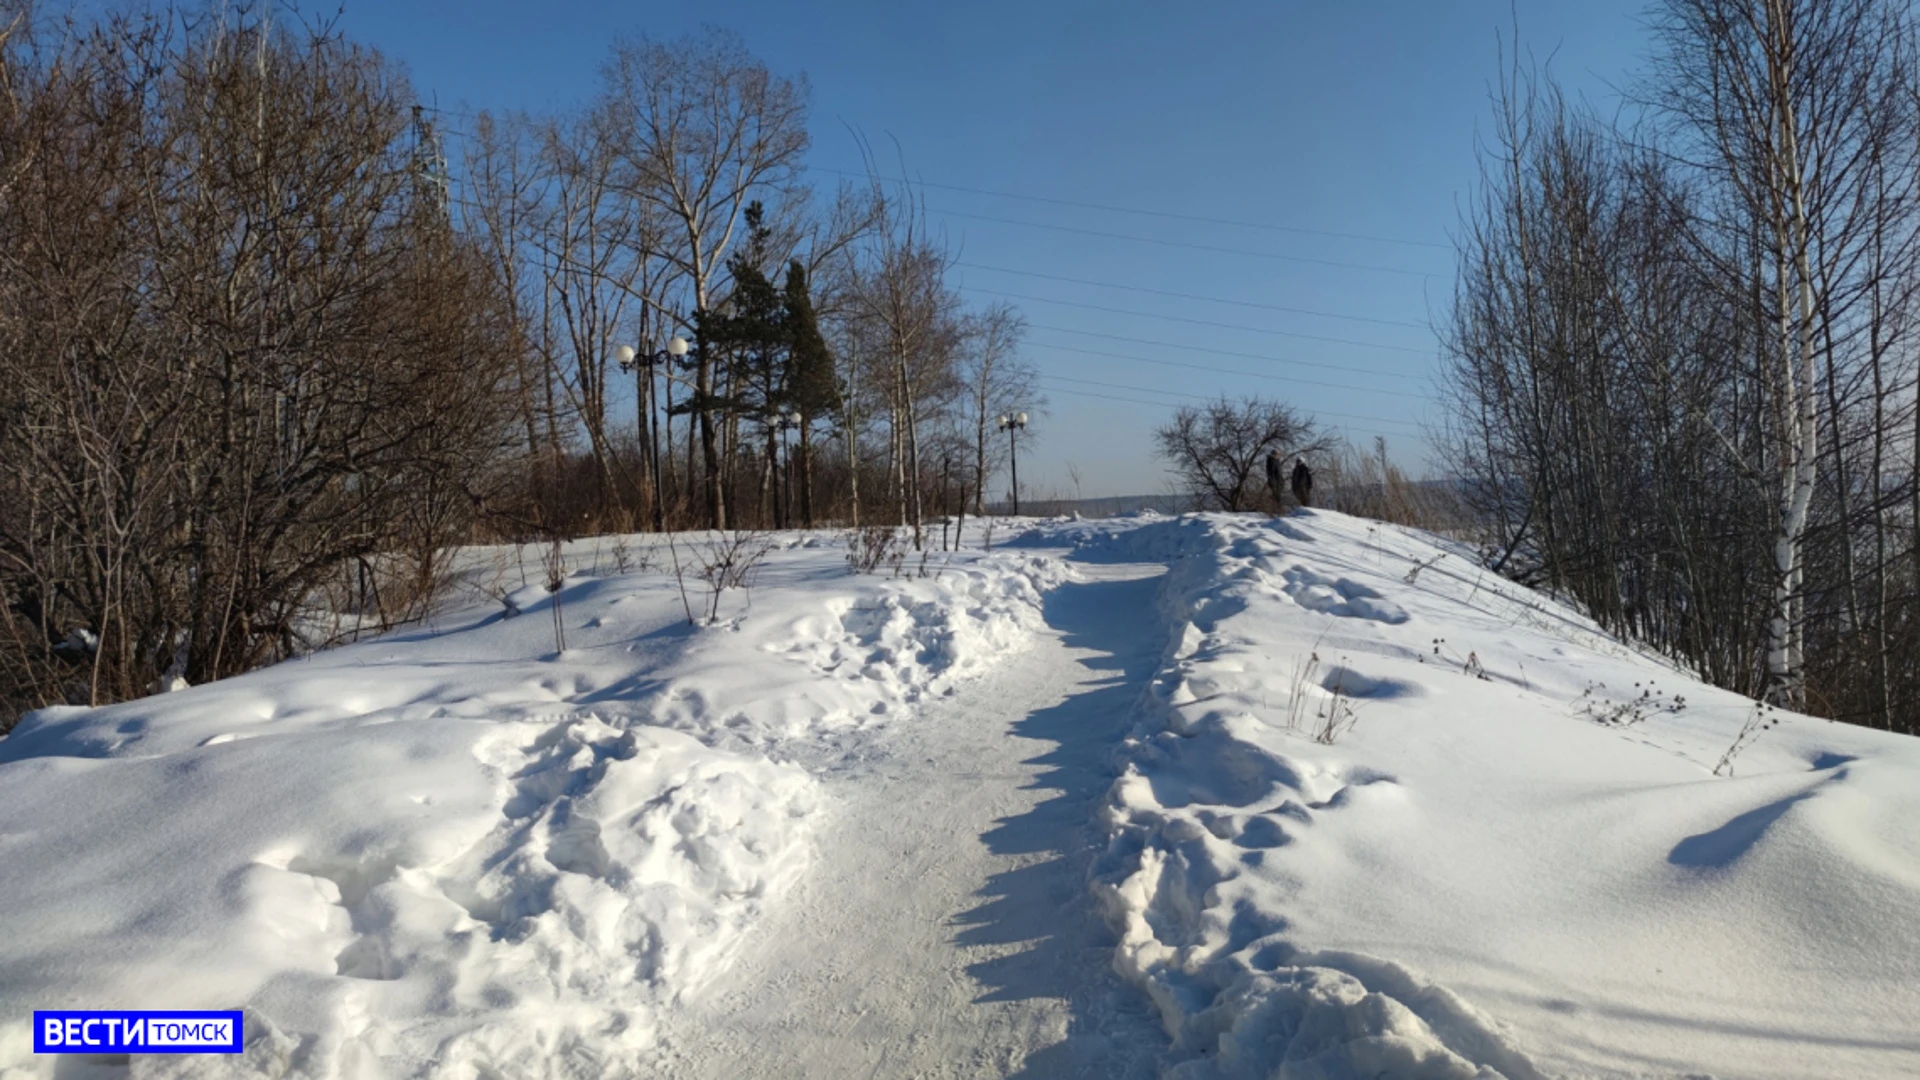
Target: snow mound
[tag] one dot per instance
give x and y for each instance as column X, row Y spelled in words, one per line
column 919, row 636
column 400, row 893
column 1369, row 825
column 454, row 851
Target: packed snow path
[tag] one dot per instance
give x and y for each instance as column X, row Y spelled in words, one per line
column 945, row 928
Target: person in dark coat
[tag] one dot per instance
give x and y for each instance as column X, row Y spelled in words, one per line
column 1302, row 482
column 1274, row 465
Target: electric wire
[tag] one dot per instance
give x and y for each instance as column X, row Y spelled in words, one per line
column 1164, row 404
column 1178, row 347
column 1197, row 322
column 1206, row 397
column 1168, row 214
column 1290, row 380
column 1174, row 318
column 1216, row 249
column 1194, row 296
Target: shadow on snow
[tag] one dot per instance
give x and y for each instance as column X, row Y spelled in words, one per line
column 1043, row 906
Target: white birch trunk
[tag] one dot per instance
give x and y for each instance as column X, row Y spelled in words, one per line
column 1786, row 659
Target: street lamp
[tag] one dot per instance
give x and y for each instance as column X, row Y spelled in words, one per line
column 1011, row 423
column 631, row 360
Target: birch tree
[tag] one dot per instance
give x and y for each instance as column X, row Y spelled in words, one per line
column 1787, row 104
column 913, row 321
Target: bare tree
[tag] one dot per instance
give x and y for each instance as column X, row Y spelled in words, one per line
column 1789, row 105
column 243, row 351
column 593, row 247
column 912, row 328
column 998, row 381
column 1218, row 450
column 704, row 129
column 1678, row 366
column 505, row 186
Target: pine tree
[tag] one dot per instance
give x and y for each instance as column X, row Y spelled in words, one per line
column 813, row 390
column 749, row 336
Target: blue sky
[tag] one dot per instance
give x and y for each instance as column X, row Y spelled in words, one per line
column 1357, row 119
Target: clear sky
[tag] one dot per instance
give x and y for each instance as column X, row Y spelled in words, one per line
column 1296, row 120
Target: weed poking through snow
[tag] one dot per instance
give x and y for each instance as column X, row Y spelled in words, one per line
column 554, row 561
column 870, row 546
column 730, row 561
column 1337, row 715
column 1469, row 665
column 1762, row 717
column 1413, row 575
column 1302, row 678
column 1650, row 701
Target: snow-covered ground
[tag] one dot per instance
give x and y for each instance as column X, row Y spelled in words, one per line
column 1223, row 796
column 1513, row 855
column 454, row 851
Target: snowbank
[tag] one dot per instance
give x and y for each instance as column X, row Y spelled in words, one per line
column 1386, row 815
column 452, row 851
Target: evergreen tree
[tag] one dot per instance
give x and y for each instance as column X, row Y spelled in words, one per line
column 749, row 339
column 813, row 389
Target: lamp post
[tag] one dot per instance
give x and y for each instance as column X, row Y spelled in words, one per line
column 632, row 360
column 1011, row 423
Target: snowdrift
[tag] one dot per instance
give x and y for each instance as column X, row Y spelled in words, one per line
column 1387, row 815
column 451, row 851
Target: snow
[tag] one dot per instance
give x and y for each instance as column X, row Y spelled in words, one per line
column 1474, row 876
column 1213, row 796
column 452, row 851
column 945, row 929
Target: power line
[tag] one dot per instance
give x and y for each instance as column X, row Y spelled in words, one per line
column 1186, row 244
column 1290, row 380
column 1215, row 352
column 1164, row 404
column 1196, row 322
column 1150, row 213
column 1194, row 296
column 1205, row 397
column 1107, row 397
column 1167, row 214
column 1105, row 207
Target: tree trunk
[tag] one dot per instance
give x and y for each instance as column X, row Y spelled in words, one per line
column 806, row 472
column 703, row 388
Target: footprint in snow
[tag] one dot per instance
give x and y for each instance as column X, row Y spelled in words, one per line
column 1341, row 597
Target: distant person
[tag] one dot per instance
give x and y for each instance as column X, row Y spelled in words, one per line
column 1274, row 466
column 1302, row 481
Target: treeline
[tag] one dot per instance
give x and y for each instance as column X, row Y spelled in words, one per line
column 676, row 203
column 1683, row 354
column 663, row 208
column 265, row 359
